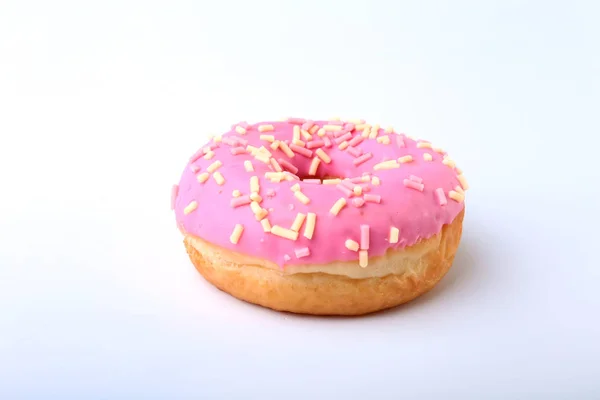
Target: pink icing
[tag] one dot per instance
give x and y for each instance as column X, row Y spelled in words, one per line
column 417, row 214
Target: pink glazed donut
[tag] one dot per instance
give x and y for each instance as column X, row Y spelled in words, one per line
column 320, row 217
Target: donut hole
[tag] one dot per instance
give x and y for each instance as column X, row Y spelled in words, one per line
column 324, row 170
column 333, row 177
column 320, row 177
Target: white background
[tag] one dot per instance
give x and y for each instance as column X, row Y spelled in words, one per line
column 101, row 104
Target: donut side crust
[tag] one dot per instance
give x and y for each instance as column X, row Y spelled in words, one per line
column 325, row 294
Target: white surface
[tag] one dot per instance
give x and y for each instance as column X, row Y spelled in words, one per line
column 100, row 106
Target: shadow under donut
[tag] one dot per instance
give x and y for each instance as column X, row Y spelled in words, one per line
column 467, row 271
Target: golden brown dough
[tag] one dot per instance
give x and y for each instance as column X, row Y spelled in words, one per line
column 419, row 268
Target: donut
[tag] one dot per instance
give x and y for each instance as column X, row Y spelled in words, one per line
column 320, row 217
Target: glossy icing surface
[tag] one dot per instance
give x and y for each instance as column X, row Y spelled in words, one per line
column 394, row 191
